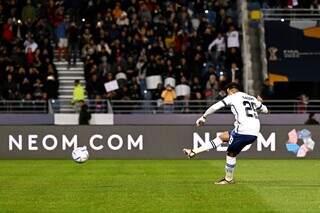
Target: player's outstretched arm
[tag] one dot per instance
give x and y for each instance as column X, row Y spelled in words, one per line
column 201, row 121
column 261, row 107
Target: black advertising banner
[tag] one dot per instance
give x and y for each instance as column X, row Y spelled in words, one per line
column 150, row 142
column 293, row 49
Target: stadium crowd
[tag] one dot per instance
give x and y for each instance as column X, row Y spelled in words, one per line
column 194, row 42
column 27, row 71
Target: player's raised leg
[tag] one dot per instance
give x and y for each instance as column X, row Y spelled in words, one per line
column 213, row 144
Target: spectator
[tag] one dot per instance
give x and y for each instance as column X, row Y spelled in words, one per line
column 123, row 19
column 212, row 88
column 197, row 96
column 168, row 95
column 26, row 87
column 18, row 57
column 29, row 12
column 38, row 89
column 315, row 5
column 30, row 57
column 103, row 47
column 94, row 87
column 311, row 120
column 233, row 38
column 61, row 33
column 135, row 92
column 169, row 40
column 196, row 89
column 222, row 94
column 73, row 43
column 50, row 87
column 144, row 12
column 302, row 104
column 84, row 115
column 100, row 106
column 28, row 104
column 293, row 3
column 156, row 93
column 235, row 73
column 233, row 56
column 111, row 94
column 117, row 12
column 8, row 34
column 125, row 93
column 86, row 36
column 220, row 47
column 184, row 99
column 10, row 88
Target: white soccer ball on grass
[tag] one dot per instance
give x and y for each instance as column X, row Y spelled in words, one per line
column 80, row 154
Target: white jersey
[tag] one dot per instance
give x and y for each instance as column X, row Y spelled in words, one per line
column 245, row 109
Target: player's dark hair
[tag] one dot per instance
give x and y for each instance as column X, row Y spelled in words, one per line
column 232, row 85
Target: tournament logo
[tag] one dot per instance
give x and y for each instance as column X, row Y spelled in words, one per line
column 273, row 53
column 293, row 139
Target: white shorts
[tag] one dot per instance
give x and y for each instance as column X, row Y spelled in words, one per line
column 63, row 43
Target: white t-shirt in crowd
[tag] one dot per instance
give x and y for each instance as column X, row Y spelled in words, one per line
column 219, row 43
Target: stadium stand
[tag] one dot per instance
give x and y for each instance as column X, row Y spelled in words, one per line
column 26, row 52
column 124, row 40
column 147, row 45
column 135, row 42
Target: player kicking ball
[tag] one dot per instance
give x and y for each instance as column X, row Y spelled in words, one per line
column 246, row 127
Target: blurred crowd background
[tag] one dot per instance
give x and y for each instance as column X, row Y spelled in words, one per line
column 195, row 42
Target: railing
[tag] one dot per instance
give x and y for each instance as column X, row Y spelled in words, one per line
column 23, row 107
column 67, row 106
column 145, row 106
column 291, row 14
column 192, row 106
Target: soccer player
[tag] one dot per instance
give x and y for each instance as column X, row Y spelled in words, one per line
column 246, row 127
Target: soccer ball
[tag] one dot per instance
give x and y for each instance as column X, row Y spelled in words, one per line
column 80, row 154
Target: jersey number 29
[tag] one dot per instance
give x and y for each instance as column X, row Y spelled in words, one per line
column 250, row 108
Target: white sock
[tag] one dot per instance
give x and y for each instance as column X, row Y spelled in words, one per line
column 209, row 145
column 216, row 142
column 230, row 166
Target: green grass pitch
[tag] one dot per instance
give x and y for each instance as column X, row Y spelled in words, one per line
column 158, row 186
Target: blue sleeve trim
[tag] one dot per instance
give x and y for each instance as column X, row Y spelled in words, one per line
column 260, row 107
column 213, row 144
column 224, row 103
